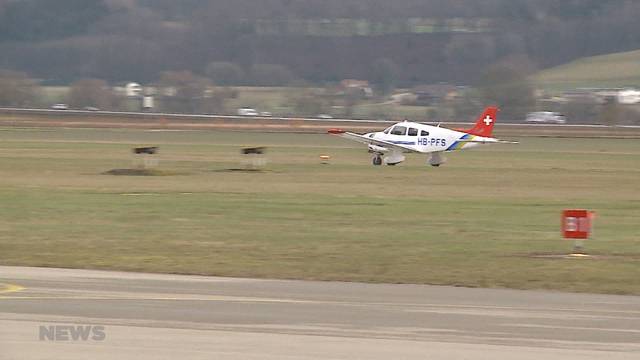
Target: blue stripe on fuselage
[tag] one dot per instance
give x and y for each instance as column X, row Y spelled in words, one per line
column 403, row 142
column 453, row 146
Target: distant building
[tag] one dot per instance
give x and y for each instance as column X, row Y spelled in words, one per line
column 433, row 93
column 133, row 89
column 169, row 91
column 130, row 89
column 602, row 95
column 587, row 96
column 349, row 85
column 352, row 83
column 148, row 103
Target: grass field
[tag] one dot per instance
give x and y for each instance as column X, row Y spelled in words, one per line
column 475, row 221
column 611, row 70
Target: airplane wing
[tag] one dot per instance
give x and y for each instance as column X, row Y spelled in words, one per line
column 369, row 141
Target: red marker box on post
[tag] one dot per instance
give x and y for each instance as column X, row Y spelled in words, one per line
column 577, row 224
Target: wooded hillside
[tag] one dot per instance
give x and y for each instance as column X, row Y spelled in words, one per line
column 318, row 41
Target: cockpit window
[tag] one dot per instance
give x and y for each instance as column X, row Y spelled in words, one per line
column 413, row 132
column 399, row 130
column 424, row 133
column 387, row 130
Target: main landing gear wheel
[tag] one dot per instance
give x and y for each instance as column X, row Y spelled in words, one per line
column 377, row 160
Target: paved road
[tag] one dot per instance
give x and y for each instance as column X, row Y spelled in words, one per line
column 148, row 316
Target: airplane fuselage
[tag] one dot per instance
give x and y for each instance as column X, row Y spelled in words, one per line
column 425, row 138
column 412, row 137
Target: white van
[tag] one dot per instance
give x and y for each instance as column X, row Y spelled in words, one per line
column 545, row 117
column 59, row 107
column 245, row 111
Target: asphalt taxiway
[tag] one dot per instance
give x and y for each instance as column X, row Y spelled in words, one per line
column 152, row 316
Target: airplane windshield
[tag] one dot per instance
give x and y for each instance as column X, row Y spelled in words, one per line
column 399, row 130
column 387, row 130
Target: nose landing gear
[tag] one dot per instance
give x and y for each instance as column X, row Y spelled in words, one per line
column 377, row 160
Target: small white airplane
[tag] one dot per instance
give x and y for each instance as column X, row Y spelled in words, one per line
column 411, row 137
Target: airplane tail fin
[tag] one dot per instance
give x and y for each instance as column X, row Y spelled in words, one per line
column 484, row 123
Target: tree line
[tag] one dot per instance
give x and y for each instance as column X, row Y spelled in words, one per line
column 136, row 40
column 185, row 92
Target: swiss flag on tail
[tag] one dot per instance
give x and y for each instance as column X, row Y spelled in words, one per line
column 484, row 123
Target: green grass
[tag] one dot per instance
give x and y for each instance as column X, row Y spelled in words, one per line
column 612, row 70
column 472, row 222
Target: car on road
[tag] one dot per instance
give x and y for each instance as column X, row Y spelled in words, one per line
column 545, row 117
column 247, row 111
column 59, row 107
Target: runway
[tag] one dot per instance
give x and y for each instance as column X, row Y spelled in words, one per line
column 151, row 316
